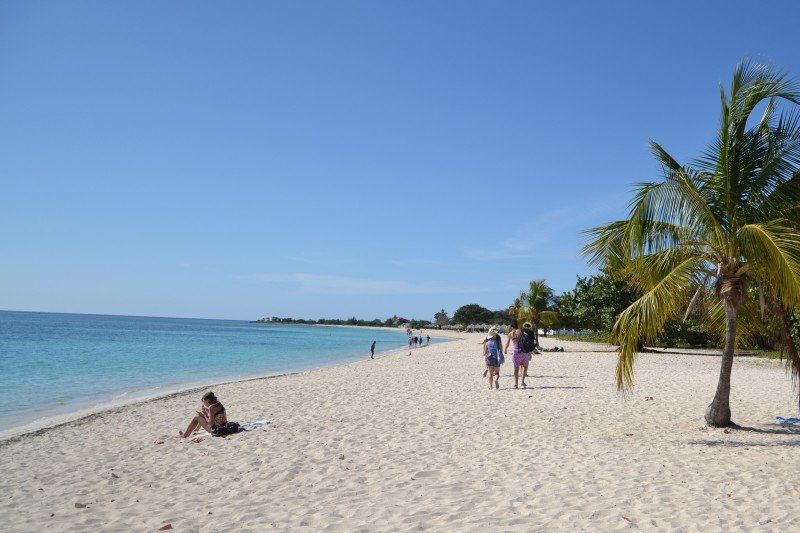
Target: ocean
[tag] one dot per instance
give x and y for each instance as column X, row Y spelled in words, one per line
column 54, row 364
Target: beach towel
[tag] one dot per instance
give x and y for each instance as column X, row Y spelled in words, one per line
column 255, row 425
column 787, row 421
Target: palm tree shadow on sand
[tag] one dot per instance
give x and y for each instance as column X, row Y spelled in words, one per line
column 529, row 388
column 531, row 376
column 773, row 430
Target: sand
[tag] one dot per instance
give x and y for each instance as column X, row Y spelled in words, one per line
column 420, row 443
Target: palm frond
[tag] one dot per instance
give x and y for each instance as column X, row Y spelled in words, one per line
column 646, row 271
column 644, row 318
column 607, row 244
column 681, row 201
column 773, row 250
column 788, row 346
column 753, row 83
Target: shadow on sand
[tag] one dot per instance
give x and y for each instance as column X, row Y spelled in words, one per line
column 531, row 376
column 774, row 430
column 529, row 388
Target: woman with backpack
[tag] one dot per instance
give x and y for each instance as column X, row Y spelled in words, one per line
column 493, row 355
column 523, row 342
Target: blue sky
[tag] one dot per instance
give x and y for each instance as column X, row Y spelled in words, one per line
column 318, row 159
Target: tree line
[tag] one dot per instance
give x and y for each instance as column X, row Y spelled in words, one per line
column 391, row 322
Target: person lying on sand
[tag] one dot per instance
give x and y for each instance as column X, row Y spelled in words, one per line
column 211, row 417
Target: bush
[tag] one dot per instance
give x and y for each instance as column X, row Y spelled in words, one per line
column 680, row 334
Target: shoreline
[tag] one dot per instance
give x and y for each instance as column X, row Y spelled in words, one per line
column 86, row 414
column 421, row 443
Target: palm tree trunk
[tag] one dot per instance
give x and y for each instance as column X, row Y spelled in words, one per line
column 718, row 413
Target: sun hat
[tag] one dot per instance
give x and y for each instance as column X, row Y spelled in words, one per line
column 527, row 325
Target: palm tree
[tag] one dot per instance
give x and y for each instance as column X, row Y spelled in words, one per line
column 550, row 320
column 531, row 303
column 712, row 229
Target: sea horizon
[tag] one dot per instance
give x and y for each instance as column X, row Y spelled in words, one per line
column 129, row 315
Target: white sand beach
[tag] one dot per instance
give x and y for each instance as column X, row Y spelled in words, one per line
column 419, row 443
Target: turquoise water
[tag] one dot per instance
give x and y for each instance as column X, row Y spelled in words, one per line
column 53, row 363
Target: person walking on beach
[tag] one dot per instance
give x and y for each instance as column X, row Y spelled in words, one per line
column 493, row 353
column 428, row 337
column 522, row 342
column 493, row 332
column 372, row 350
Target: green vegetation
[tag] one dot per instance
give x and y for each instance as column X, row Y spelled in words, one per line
column 475, row 314
column 472, row 314
column 392, row 322
column 534, row 301
column 769, row 354
column 600, row 337
column 441, row 318
column 595, row 302
column 697, row 240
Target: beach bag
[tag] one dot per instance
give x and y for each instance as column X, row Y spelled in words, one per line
column 228, row 429
column 493, row 350
column 527, row 341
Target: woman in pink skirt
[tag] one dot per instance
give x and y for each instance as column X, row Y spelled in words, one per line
column 520, row 358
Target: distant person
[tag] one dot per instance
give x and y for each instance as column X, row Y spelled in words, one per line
column 494, row 333
column 211, row 417
column 523, row 342
column 372, row 350
column 493, row 353
column 428, row 338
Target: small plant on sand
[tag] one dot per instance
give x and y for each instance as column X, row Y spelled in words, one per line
column 696, row 239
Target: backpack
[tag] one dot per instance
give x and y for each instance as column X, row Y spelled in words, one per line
column 492, row 349
column 228, row 429
column 527, row 341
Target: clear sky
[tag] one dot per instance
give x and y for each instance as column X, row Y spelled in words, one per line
column 310, row 159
